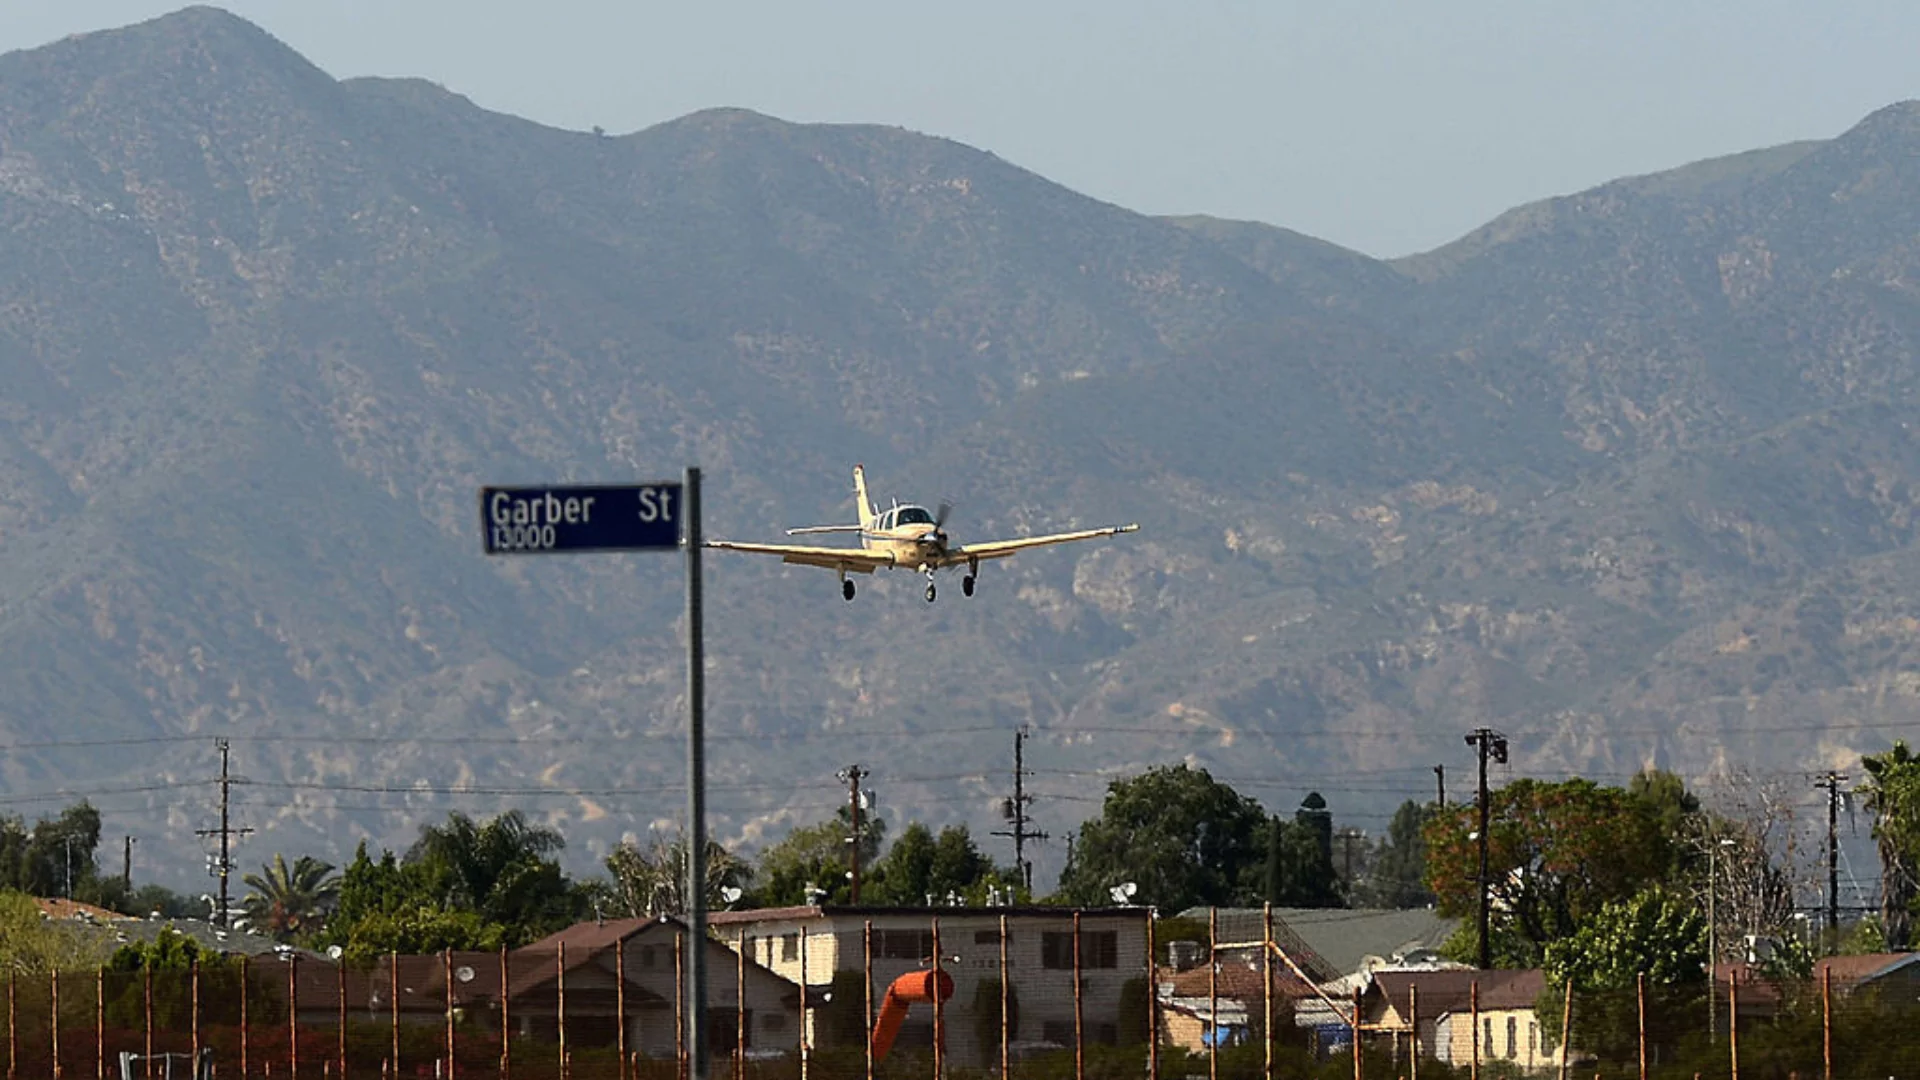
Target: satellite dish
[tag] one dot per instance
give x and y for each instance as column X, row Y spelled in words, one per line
column 463, row 973
column 729, row 893
column 867, row 798
column 334, row 952
column 1123, row 892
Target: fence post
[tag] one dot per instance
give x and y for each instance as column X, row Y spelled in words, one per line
column 866, row 1013
column 193, row 976
column 147, row 1023
column 680, row 1007
column 293, row 1016
column 446, row 963
column 340, row 984
column 1473, row 996
column 243, row 1017
column 740, row 1007
column 1153, row 1000
column 393, row 1005
column 806, row 1013
column 53, row 1021
column 1006, row 1009
column 1358, row 1072
column 506, row 1029
column 100, row 1024
column 620, row 1005
column 1640, row 987
column 1266, row 986
column 560, row 1023
column 1826, row 1022
column 1566, row 1033
column 1079, row 1026
column 1413, row 1030
column 1213, row 993
column 1733, row 1019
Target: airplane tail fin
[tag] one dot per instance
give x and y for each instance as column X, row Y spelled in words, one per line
column 860, row 495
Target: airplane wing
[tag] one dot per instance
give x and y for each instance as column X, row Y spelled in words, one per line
column 851, row 560
column 1000, row 549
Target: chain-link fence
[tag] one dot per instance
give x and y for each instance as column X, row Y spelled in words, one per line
column 886, row 995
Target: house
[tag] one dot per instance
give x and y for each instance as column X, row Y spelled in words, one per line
column 1888, row 973
column 584, row 963
column 1445, row 1004
column 813, row 944
column 1330, row 942
column 1225, row 1002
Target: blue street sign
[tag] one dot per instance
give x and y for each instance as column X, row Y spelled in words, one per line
column 620, row 517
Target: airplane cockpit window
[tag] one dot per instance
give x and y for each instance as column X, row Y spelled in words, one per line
column 913, row 515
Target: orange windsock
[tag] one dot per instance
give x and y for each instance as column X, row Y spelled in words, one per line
column 912, row 988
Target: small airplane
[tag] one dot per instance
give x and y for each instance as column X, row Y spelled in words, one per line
column 907, row 537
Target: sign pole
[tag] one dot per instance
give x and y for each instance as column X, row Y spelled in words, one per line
column 696, row 789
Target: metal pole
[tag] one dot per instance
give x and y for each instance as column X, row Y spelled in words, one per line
column 939, row 1014
column 1266, row 986
column 1713, row 945
column 148, row 1023
column 696, row 786
column 1826, row 1023
column 393, row 1003
column 1486, row 941
column 54, row 1020
column 446, row 963
column 560, row 1018
column 243, row 1017
column 506, row 1029
column 293, row 1017
column 620, row 1002
column 340, row 983
column 866, row 1013
column 193, row 974
column 100, row 1024
column 1213, row 993
column 1006, row 1007
column 806, row 1014
column 1640, row 984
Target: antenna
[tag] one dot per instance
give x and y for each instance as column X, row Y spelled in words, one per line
column 1015, row 811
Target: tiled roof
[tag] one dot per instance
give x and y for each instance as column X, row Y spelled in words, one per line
column 1235, row 980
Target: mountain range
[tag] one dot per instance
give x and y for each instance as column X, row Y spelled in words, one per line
column 1626, row 474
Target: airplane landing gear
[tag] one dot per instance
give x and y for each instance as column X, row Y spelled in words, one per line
column 930, row 592
column 846, row 589
column 966, row 584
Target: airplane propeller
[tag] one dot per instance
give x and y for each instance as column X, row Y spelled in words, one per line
column 940, row 520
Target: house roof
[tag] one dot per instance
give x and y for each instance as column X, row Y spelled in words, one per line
column 1237, row 980
column 805, row 912
column 1864, row 968
column 593, row 936
column 1442, row 992
column 54, row 907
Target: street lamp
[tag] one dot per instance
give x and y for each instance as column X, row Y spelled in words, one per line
column 1713, row 950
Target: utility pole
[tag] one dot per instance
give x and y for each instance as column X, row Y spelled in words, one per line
column 223, row 865
column 66, row 844
column 1831, row 781
column 1440, row 784
column 126, row 865
column 1491, row 744
column 1014, row 810
column 851, row 776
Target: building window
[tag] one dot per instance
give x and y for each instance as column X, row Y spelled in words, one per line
column 1486, row 1040
column 1533, row 1039
column 789, row 946
column 989, row 937
column 903, row 944
column 1513, row 1039
column 1098, row 949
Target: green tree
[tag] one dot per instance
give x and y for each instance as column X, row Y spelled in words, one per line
column 1181, row 836
column 653, row 880
column 1557, row 853
column 816, row 856
column 921, row 868
column 1399, row 872
column 502, row 870
column 32, row 945
column 1893, row 794
column 288, row 900
column 1651, row 933
column 1299, row 868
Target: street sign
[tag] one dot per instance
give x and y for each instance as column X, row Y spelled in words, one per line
column 545, row 520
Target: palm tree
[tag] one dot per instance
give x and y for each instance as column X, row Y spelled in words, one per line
column 289, row 899
column 501, row 869
column 1893, row 794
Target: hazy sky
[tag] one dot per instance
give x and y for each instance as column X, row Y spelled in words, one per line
column 1388, row 128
